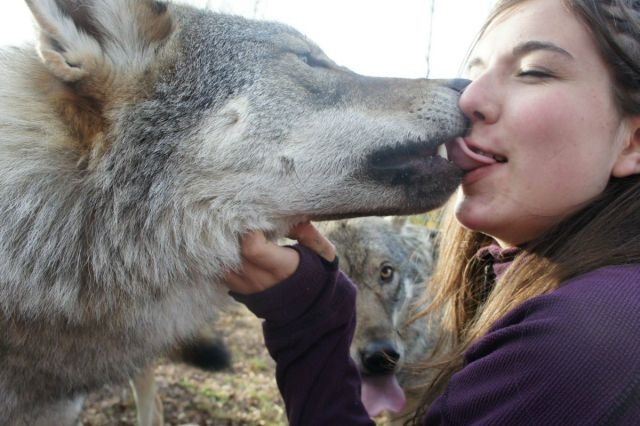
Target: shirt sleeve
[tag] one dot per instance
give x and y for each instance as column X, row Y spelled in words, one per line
column 569, row 357
column 308, row 328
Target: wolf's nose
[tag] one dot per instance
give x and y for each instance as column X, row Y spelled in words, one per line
column 380, row 357
column 458, row 84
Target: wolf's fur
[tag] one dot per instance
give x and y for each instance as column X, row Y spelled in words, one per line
column 391, row 262
column 139, row 139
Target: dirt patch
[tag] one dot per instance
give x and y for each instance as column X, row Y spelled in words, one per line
column 246, row 394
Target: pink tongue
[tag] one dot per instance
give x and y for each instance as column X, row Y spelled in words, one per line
column 463, row 157
column 382, row 393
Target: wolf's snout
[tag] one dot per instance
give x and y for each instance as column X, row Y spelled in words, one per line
column 401, row 159
column 380, row 357
column 458, row 84
column 405, row 164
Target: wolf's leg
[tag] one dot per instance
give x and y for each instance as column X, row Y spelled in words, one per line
column 148, row 403
column 64, row 413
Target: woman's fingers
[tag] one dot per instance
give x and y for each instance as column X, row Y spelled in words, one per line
column 264, row 264
column 309, row 236
column 251, row 279
column 265, row 255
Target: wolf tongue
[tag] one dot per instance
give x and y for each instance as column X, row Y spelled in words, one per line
column 382, row 393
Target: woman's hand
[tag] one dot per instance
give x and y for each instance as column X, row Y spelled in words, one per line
column 265, row 264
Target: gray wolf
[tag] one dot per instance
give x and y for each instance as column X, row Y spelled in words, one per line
column 391, row 262
column 139, row 140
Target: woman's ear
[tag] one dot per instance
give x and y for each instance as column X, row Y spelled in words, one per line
column 628, row 161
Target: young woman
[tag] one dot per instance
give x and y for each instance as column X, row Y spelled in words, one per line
column 539, row 275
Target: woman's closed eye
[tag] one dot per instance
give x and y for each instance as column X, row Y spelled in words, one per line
column 535, row 73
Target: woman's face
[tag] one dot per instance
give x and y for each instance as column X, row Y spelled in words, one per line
column 545, row 135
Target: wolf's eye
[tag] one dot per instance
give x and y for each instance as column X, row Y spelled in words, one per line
column 305, row 57
column 312, row 61
column 386, row 273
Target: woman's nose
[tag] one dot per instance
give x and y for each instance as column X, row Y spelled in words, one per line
column 479, row 103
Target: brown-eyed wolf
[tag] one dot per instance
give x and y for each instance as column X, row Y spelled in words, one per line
column 391, row 262
column 138, row 140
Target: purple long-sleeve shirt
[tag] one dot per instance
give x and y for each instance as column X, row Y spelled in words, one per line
column 571, row 357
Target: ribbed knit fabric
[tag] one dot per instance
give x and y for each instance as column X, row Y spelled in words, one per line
column 571, row 357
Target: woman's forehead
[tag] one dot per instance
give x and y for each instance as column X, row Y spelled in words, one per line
column 530, row 25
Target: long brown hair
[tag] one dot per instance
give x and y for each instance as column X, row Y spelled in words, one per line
column 606, row 232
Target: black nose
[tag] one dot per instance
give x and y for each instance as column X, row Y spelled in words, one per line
column 458, row 84
column 380, row 357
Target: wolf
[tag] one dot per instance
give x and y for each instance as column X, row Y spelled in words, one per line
column 391, row 262
column 139, row 139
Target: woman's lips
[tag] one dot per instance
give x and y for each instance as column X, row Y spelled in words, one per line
column 468, row 159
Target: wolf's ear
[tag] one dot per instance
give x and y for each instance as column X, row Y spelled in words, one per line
column 80, row 37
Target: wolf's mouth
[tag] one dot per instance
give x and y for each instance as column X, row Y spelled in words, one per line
column 382, row 393
column 410, row 178
column 405, row 164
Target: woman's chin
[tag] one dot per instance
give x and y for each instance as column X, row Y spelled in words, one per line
column 475, row 218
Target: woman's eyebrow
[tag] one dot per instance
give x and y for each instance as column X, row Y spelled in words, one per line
column 534, row 45
column 523, row 49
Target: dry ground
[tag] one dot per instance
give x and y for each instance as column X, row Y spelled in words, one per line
column 244, row 395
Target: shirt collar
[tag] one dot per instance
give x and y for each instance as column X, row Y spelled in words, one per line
column 497, row 257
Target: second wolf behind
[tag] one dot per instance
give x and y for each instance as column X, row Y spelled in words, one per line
column 390, row 261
